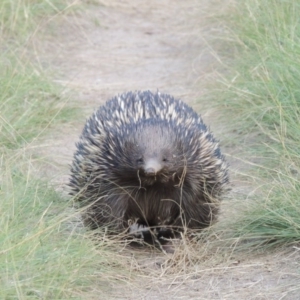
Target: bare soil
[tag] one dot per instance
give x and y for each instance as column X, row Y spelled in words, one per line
column 118, row 46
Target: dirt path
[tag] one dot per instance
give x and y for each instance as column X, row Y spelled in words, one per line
column 123, row 46
column 131, row 45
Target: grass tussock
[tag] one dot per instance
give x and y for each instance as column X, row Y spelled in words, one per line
column 43, row 254
column 262, row 94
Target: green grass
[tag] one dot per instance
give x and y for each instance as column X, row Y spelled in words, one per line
column 42, row 253
column 29, row 104
column 260, row 95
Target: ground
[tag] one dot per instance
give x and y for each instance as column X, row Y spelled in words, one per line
column 117, row 46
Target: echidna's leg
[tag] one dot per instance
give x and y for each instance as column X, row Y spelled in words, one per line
column 198, row 217
column 107, row 211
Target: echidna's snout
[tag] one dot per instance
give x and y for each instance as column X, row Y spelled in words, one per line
column 152, row 167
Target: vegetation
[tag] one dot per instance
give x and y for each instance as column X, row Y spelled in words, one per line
column 262, row 98
column 41, row 255
column 21, row 18
column 28, row 104
column 29, row 101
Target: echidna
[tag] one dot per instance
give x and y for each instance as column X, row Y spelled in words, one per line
column 146, row 159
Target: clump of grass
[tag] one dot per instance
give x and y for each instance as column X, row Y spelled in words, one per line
column 262, row 94
column 270, row 219
column 43, row 254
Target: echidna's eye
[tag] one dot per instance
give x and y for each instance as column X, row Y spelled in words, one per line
column 164, row 159
column 140, row 160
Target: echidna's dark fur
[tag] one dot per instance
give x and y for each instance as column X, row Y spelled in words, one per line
column 147, row 159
